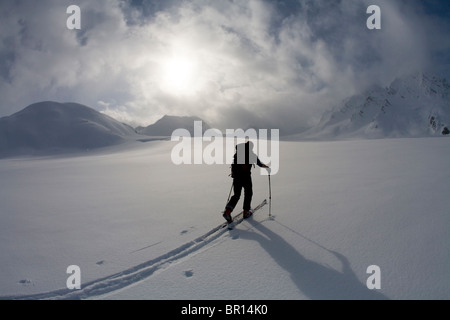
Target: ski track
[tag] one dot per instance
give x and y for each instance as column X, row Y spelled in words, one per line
column 133, row 275
column 130, row 276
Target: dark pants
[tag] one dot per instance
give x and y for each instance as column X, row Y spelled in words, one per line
column 239, row 183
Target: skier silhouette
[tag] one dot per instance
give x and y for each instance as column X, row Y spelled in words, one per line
column 241, row 172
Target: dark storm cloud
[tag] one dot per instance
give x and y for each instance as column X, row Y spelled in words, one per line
column 260, row 63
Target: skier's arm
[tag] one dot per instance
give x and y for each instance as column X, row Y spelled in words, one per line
column 260, row 164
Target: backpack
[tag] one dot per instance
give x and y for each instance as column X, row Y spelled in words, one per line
column 239, row 170
column 242, row 169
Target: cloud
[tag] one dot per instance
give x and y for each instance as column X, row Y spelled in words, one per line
column 273, row 64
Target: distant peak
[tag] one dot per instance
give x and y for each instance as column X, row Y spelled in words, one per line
column 168, row 123
column 166, row 117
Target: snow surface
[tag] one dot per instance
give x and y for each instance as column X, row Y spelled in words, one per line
column 128, row 218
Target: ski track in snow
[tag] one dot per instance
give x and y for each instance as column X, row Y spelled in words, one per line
column 133, row 275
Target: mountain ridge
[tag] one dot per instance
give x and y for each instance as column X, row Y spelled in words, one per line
column 411, row 106
column 167, row 124
column 49, row 127
column 58, row 126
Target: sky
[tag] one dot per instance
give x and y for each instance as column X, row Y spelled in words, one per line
column 234, row 63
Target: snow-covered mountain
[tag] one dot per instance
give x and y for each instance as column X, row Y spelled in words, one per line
column 168, row 124
column 59, row 126
column 411, row 106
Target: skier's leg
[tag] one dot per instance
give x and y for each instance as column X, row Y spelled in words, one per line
column 237, row 188
column 248, row 193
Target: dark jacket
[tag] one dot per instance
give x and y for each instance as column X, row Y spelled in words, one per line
column 244, row 159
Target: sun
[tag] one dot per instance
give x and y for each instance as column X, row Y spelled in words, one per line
column 179, row 75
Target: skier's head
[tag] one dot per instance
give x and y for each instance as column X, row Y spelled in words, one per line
column 245, row 146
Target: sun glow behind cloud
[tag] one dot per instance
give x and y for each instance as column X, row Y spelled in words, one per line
column 266, row 64
column 179, row 75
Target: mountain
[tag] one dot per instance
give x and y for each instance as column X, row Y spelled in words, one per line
column 59, row 126
column 412, row 106
column 168, row 124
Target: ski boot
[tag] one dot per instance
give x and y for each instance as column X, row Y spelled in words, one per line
column 248, row 214
column 227, row 216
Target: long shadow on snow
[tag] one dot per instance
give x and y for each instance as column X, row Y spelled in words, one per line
column 313, row 279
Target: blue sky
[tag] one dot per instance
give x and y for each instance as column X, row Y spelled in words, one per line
column 241, row 63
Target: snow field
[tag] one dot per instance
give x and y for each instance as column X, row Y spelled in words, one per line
column 339, row 207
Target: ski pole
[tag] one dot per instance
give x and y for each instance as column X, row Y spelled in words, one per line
column 270, row 199
column 229, row 196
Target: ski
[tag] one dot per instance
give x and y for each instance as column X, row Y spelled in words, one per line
column 240, row 216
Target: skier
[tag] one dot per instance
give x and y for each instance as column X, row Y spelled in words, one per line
column 244, row 159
